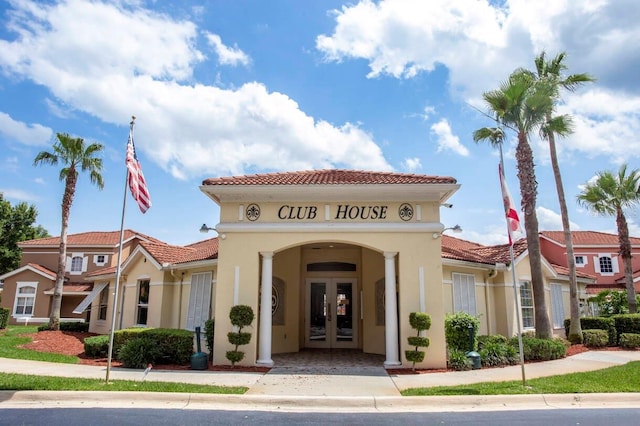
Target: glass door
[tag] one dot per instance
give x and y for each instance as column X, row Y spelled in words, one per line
column 331, row 313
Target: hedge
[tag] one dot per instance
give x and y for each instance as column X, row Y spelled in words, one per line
column 596, row 323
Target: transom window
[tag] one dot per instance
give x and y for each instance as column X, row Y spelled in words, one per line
column 526, row 305
column 25, row 299
column 143, row 302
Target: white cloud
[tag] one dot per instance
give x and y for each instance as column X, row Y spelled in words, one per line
column 447, row 141
column 18, row 194
column 27, row 134
column 187, row 129
column 412, row 164
column 227, row 55
column 548, row 220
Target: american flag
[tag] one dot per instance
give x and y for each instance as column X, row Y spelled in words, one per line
column 513, row 221
column 137, row 184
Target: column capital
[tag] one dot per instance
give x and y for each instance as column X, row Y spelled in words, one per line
column 267, row 254
column 390, row 254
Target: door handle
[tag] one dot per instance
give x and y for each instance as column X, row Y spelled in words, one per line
column 329, row 313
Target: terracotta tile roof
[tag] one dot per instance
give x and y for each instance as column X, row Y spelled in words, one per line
column 561, row 270
column 458, row 249
column 73, row 288
column 164, row 253
column 104, row 271
column 330, row 177
column 108, row 238
column 42, row 269
column 587, row 238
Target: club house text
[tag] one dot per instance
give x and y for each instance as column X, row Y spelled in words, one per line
column 343, row 212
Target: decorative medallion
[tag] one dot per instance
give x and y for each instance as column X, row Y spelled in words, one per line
column 405, row 211
column 275, row 300
column 253, row 212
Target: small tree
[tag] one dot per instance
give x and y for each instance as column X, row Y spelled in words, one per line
column 240, row 316
column 420, row 322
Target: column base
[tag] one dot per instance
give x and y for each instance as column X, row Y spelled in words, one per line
column 265, row 362
column 388, row 364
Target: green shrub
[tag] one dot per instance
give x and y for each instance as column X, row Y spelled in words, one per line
column 596, row 323
column 241, row 316
column 4, row 317
column 139, row 353
column 627, row 323
column 461, row 332
column 536, row 349
column 81, row 327
column 458, row 361
column 209, row 327
column 498, row 354
column 96, row 346
column 630, row 340
column 491, row 339
column 122, row 337
column 420, row 322
column 174, row 346
column 595, row 338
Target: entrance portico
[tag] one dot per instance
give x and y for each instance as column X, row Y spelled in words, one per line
column 330, row 259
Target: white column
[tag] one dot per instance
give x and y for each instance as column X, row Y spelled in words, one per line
column 264, row 351
column 391, row 310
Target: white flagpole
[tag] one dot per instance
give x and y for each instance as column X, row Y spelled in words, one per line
column 515, row 284
column 115, row 294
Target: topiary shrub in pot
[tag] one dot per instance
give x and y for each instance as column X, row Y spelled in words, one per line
column 241, row 316
column 420, row 322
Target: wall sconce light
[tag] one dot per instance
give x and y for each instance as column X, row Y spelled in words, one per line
column 456, row 229
column 204, row 229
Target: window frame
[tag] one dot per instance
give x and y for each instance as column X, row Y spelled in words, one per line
column 142, row 306
column 26, row 296
column 103, row 304
column 527, row 311
column 464, row 287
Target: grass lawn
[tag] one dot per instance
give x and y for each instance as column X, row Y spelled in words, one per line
column 623, row 378
column 11, row 338
column 20, row 382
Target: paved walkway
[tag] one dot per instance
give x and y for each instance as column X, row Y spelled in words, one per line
column 322, row 389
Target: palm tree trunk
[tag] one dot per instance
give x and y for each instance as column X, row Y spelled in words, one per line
column 528, row 192
column 67, row 200
column 625, row 253
column 575, row 328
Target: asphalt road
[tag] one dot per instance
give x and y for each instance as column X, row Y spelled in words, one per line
column 158, row 417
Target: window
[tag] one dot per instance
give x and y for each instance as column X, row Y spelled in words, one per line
column 464, row 293
column 25, row 299
column 606, row 264
column 580, row 261
column 104, row 302
column 76, row 264
column 199, row 300
column 557, row 305
column 526, row 305
column 100, row 259
column 143, row 302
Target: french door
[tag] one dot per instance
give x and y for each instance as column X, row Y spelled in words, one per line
column 331, row 313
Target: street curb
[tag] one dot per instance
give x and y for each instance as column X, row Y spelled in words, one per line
column 190, row 401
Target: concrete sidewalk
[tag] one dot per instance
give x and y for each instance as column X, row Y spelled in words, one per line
column 344, row 389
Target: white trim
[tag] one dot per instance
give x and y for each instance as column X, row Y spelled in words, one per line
column 82, row 306
column 32, row 296
column 28, row 268
column 329, row 227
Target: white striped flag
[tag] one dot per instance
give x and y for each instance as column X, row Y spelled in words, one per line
column 513, row 221
column 137, row 184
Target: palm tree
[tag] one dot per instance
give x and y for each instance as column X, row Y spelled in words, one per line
column 521, row 104
column 74, row 156
column 551, row 71
column 609, row 195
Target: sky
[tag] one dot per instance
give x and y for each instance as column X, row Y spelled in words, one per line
column 224, row 88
